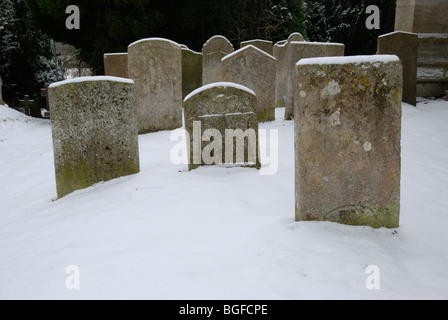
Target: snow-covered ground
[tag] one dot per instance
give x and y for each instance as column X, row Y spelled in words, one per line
column 214, row 233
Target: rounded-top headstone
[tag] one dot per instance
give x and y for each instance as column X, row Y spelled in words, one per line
column 155, row 65
column 296, row 36
column 213, row 51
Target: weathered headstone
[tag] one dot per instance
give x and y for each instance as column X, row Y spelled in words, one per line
column 266, row 46
column 155, row 65
column 296, row 37
column 214, row 50
column 221, row 119
column 116, row 65
column 191, row 71
column 347, row 140
column 427, row 18
column 405, row 46
column 302, row 50
column 281, row 74
column 255, row 69
column 95, row 134
column 1, row 92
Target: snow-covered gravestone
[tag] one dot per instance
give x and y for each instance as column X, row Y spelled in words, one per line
column 213, row 51
column 347, row 140
column 155, row 65
column 405, row 46
column 95, row 134
column 221, row 121
column 296, row 37
column 191, row 71
column 302, row 50
column 255, row 69
column 266, row 46
column 116, row 65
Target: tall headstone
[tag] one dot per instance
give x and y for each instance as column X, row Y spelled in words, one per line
column 255, row 69
column 303, row 50
column 155, row 65
column 191, row 71
column 265, row 45
column 281, row 82
column 221, row 119
column 95, row 134
column 1, row 92
column 213, row 51
column 405, row 46
column 116, row 65
column 428, row 19
column 348, row 140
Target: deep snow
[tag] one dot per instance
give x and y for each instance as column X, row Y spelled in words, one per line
column 214, row 233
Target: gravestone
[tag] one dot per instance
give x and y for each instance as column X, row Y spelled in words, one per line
column 427, row 18
column 155, row 65
column 295, row 37
column 116, row 65
column 347, row 140
column 214, row 50
column 95, row 133
column 405, row 46
column 302, row 50
column 30, row 107
column 221, row 119
column 281, row 74
column 266, row 46
column 191, row 71
column 1, row 92
column 255, row 69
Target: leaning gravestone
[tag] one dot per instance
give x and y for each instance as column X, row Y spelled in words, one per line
column 155, row 65
column 226, row 112
column 214, row 50
column 1, row 93
column 116, row 65
column 266, row 46
column 95, row 134
column 301, row 50
column 405, row 46
column 191, row 71
column 347, row 140
column 255, row 69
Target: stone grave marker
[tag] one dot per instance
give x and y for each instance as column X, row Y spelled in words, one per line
column 213, row 51
column 116, row 65
column 221, row 121
column 348, row 140
column 95, row 132
column 155, row 65
column 191, row 71
column 266, row 46
column 255, row 69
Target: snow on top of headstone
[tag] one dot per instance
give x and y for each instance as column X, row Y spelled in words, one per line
column 154, row 39
column 348, row 60
column 219, row 85
column 220, row 37
column 256, row 40
column 90, row 79
column 433, row 35
column 247, row 48
column 282, row 43
column 396, row 32
column 116, row 54
column 317, row 43
column 189, row 50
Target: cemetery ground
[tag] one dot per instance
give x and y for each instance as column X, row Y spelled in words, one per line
column 214, row 233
